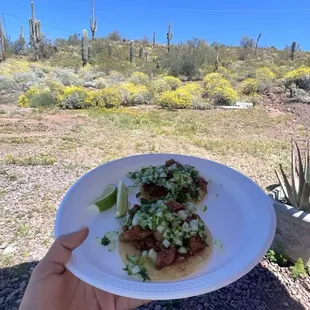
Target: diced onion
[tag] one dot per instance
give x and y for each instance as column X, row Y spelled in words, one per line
column 166, row 243
column 136, row 269
column 182, row 250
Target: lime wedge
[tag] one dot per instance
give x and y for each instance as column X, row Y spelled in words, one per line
column 122, row 200
column 108, row 199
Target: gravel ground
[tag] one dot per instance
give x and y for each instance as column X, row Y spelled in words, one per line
column 29, row 195
column 267, row 286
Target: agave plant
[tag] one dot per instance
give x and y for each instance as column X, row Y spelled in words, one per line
column 298, row 192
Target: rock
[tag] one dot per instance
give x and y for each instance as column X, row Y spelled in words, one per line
column 11, row 295
column 157, row 307
column 9, row 250
column 1, row 300
column 244, row 105
column 89, row 85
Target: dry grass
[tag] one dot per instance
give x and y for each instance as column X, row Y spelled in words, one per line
column 32, row 182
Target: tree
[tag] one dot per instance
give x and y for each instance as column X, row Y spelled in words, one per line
column 114, row 36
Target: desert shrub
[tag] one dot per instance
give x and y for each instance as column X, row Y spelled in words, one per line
column 115, row 78
column 108, row 97
column 300, row 77
column 26, row 79
column 114, row 36
column 176, row 99
column 186, row 59
column 173, row 82
column 6, row 83
column 100, row 83
column 66, row 76
column 194, row 89
column 249, row 86
column 134, row 94
column 219, row 89
column 66, row 60
column 25, row 99
column 73, row 97
column 298, row 94
column 42, row 99
column 264, row 73
column 159, row 85
column 14, row 66
column 139, row 78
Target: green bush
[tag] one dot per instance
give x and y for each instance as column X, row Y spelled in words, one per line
column 42, row 99
column 250, row 86
column 6, row 83
column 173, row 82
column 140, row 78
column 300, row 77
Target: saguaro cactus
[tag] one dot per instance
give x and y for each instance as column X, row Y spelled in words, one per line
column 293, row 50
column 93, row 21
column 35, row 32
column 110, row 49
column 154, row 39
column 169, row 36
column 131, row 52
column 84, row 47
column 141, row 51
column 2, row 47
column 256, row 45
column 22, row 38
column 89, row 53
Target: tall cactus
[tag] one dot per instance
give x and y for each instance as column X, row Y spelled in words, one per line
column 110, row 49
column 141, row 51
column 84, row 49
column 35, row 33
column 22, row 38
column 293, row 50
column 89, row 53
column 93, row 21
column 131, row 52
column 154, row 39
column 169, row 36
column 2, row 47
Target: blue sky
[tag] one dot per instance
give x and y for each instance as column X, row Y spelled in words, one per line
column 280, row 21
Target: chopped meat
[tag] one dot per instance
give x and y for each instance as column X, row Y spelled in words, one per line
column 180, row 259
column 170, row 175
column 150, row 243
column 203, row 184
column 170, row 162
column 192, row 217
column 134, row 233
column 157, row 236
column 196, row 244
column 165, row 257
column 154, row 191
column 138, row 244
column 134, row 209
column 174, row 206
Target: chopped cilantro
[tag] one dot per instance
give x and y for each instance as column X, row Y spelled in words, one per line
column 138, row 195
column 105, row 241
column 204, row 208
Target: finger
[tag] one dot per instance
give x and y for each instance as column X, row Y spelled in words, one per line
column 61, row 250
column 124, row 303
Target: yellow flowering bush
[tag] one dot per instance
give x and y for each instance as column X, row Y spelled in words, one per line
column 176, row 99
column 134, row 94
column 219, row 89
column 25, row 99
column 110, row 97
column 36, row 97
column 194, row 89
column 250, row 86
column 139, row 78
column 264, row 73
column 159, row 85
column 13, row 66
column 299, row 76
column 172, row 81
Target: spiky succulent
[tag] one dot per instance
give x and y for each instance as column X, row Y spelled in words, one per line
column 298, row 192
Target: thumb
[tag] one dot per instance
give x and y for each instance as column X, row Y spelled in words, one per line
column 61, row 250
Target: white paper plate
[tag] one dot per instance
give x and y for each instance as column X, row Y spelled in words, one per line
column 239, row 215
